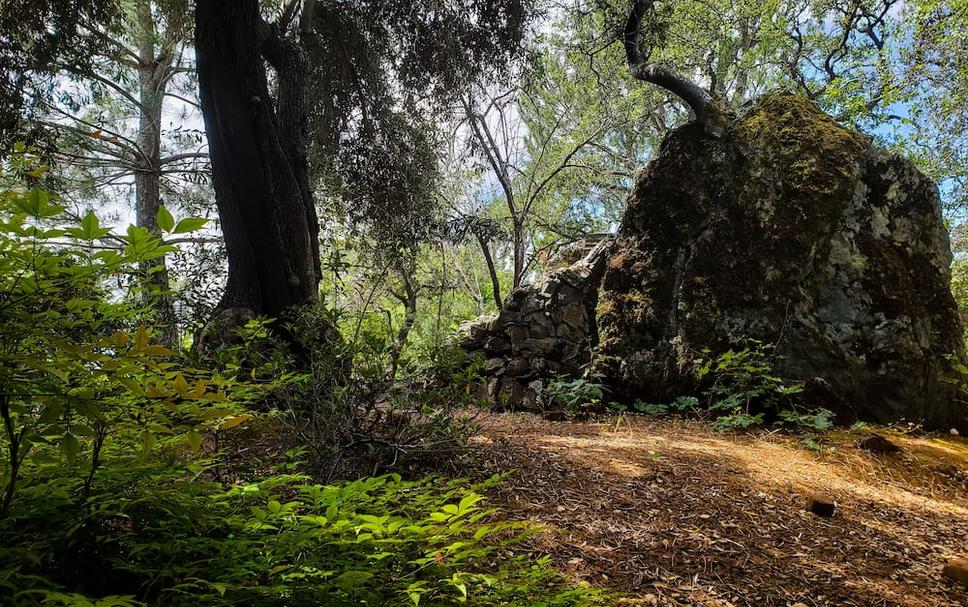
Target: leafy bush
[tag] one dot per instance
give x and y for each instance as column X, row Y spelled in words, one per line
column 745, row 390
column 574, row 396
column 159, row 534
column 114, row 488
column 743, row 393
column 682, row 404
column 76, row 370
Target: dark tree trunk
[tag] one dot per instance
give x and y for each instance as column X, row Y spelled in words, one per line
column 154, row 70
column 492, row 271
column 258, row 152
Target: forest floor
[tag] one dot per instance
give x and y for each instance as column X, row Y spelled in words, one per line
column 669, row 512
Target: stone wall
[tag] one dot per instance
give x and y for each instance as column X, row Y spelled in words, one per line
column 543, row 332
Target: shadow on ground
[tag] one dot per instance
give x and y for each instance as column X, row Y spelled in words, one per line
column 671, row 513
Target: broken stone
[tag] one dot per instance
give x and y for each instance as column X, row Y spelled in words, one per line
column 496, row 344
column 878, row 444
column 821, row 505
column 957, row 569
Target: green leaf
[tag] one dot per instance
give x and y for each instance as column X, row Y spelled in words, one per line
column 70, row 447
column 190, row 224
column 350, row 580
column 164, row 219
column 91, row 227
column 194, row 439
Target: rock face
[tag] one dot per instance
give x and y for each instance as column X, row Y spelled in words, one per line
column 798, row 232
column 544, row 331
column 789, row 229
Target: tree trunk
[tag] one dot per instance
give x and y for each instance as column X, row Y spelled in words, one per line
column 258, row 152
column 154, row 70
column 492, row 270
column 409, row 300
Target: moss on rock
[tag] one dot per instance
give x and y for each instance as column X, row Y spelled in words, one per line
column 794, row 230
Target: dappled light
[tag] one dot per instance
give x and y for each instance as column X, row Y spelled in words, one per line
column 673, row 513
column 485, row 303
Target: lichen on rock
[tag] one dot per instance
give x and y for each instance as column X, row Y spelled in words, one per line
column 789, row 229
column 796, row 231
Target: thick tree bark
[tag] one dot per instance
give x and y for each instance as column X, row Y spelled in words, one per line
column 154, row 71
column 702, row 103
column 258, row 153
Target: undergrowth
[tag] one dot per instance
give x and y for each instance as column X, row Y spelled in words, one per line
column 160, row 534
column 116, row 486
column 743, row 391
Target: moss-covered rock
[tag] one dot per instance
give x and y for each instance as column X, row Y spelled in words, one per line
column 793, row 230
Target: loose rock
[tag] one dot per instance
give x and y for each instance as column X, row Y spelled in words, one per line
column 878, row 444
column 821, row 505
column 957, row 569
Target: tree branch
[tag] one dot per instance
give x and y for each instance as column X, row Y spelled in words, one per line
column 699, row 100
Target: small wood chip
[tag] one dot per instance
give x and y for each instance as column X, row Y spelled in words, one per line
column 821, row 505
column 957, row 569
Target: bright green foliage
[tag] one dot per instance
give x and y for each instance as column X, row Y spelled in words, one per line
column 742, row 379
column 114, row 493
column 76, row 371
column 162, row 535
column 573, row 396
column 743, row 392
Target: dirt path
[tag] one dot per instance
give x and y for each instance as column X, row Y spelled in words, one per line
column 671, row 513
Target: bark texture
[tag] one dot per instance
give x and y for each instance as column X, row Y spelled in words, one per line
column 257, row 145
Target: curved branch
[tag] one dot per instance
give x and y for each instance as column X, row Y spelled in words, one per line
column 702, row 103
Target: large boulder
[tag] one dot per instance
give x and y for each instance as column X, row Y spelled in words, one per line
column 795, row 231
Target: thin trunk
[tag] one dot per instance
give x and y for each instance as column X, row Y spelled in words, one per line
column 258, row 154
column 492, row 270
column 13, row 453
column 153, row 71
column 742, row 73
column 409, row 300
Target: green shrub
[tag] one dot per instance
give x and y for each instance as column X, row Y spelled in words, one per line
column 163, row 535
column 743, row 392
column 574, row 396
column 115, row 492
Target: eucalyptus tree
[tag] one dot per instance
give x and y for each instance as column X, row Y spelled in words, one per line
column 101, row 119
